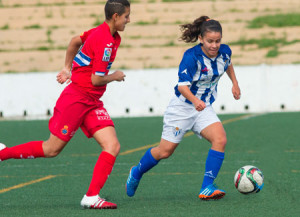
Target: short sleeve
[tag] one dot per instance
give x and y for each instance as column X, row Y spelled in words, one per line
column 229, row 54
column 225, row 49
column 187, row 69
column 85, row 35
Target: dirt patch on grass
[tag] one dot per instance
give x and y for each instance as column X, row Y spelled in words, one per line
column 35, row 33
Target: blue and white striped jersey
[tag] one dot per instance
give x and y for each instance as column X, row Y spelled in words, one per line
column 202, row 73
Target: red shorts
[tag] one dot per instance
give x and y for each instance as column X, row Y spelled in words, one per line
column 76, row 109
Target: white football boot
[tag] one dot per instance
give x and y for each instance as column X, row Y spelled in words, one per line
column 2, row 146
column 95, row 202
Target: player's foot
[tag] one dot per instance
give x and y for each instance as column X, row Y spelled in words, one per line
column 2, row 146
column 131, row 184
column 211, row 192
column 95, row 202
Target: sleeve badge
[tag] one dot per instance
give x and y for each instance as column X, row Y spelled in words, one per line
column 106, row 54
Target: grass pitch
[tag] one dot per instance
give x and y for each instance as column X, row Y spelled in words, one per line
column 54, row 187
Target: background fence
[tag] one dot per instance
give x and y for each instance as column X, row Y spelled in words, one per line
column 265, row 88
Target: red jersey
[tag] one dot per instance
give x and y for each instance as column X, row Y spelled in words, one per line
column 95, row 56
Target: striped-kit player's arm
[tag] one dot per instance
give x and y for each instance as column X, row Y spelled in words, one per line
column 187, row 69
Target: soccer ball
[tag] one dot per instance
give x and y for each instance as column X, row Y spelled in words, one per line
column 249, row 179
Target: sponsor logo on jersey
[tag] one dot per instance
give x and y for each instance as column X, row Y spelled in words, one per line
column 176, row 131
column 108, row 45
column 205, row 85
column 107, row 54
column 65, row 130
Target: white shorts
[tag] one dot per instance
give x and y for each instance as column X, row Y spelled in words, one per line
column 180, row 117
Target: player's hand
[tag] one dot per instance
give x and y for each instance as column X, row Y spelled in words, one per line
column 64, row 76
column 236, row 91
column 119, row 75
column 199, row 105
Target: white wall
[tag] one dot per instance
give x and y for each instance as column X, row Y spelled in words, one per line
column 264, row 89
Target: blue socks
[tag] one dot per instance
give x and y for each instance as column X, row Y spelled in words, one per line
column 145, row 164
column 213, row 164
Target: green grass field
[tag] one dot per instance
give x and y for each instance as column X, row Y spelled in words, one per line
column 54, row 187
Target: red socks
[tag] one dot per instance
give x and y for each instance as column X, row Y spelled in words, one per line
column 24, row 151
column 101, row 172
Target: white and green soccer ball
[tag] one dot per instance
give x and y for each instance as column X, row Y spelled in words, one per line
column 249, row 179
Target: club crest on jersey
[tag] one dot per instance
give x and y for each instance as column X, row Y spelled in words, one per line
column 176, row 131
column 65, row 130
column 106, row 54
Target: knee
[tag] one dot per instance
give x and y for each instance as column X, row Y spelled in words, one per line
column 164, row 154
column 220, row 143
column 117, row 148
column 52, row 148
column 113, row 148
column 52, row 153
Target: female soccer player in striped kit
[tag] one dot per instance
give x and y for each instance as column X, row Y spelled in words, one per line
column 190, row 109
column 79, row 104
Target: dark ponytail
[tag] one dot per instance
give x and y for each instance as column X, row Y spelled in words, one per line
column 191, row 31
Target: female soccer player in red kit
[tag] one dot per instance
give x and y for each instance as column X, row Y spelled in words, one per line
column 79, row 104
